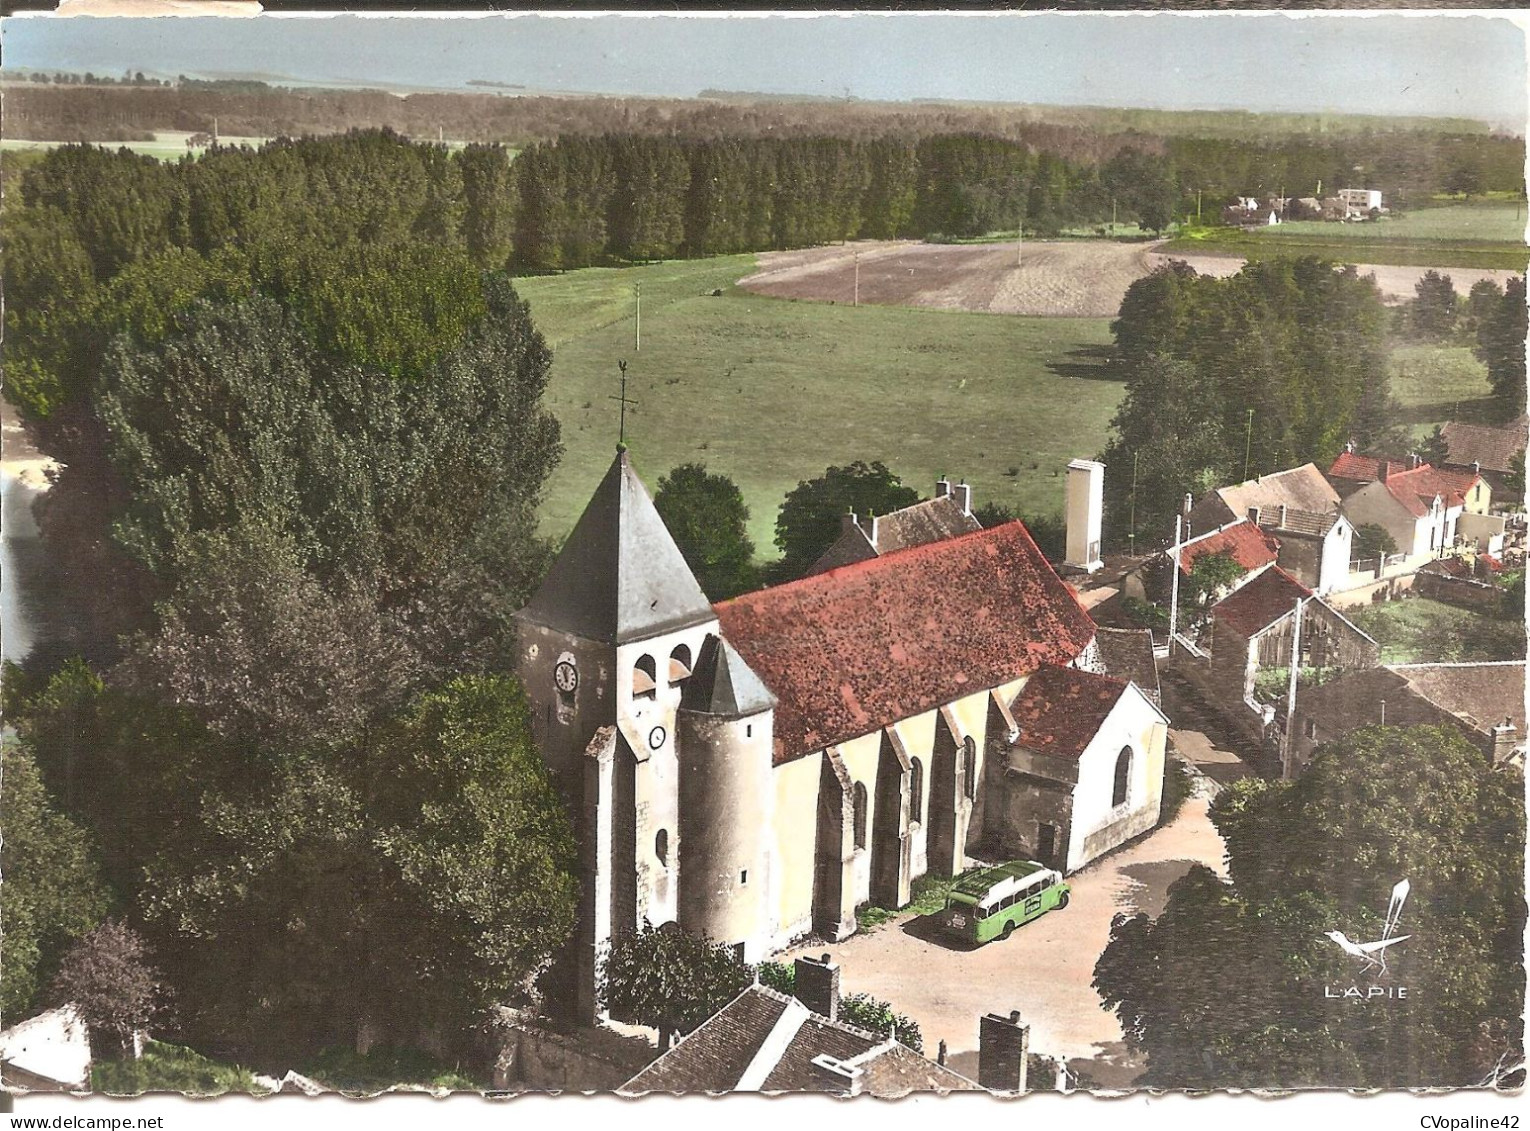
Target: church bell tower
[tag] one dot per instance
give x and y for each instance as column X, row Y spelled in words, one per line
column 606, row 647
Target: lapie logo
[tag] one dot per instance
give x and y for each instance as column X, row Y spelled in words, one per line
column 1372, row 956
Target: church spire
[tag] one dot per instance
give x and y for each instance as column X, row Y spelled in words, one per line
column 619, row 577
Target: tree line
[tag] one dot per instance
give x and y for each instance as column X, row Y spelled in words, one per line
column 303, row 442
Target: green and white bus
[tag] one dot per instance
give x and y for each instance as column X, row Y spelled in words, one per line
column 989, row 903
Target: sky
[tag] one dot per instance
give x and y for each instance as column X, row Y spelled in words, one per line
column 1433, row 63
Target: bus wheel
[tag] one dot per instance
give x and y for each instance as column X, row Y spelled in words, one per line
column 1062, row 901
column 1009, row 929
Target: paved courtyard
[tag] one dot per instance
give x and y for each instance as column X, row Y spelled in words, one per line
column 1044, row 970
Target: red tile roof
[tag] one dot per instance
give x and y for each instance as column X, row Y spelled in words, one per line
column 1410, row 486
column 1261, row 602
column 1244, row 542
column 858, row 648
column 1062, row 709
column 1416, row 489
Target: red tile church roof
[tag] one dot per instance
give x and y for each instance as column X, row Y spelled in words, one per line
column 858, row 648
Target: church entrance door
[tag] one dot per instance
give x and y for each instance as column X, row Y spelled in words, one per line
column 1046, row 843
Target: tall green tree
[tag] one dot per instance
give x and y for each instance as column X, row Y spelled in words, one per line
column 108, row 978
column 813, row 514
column 669, row 980
column 706, row 515
column 1233, row 984
column 1432, row 312
column 1501, row 347
column 52, row 891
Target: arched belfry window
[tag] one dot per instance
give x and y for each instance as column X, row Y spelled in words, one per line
column 916, row 791
column 644, row 678
column 969, row 767
column 1122, row 785
column 679, row 664
column 860, row 815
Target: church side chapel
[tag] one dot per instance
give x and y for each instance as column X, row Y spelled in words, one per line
column 756, row 770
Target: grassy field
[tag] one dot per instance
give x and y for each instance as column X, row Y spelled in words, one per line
column 1417, row 630
column 771, row 392
column 1440, row 383
column 1488, row 235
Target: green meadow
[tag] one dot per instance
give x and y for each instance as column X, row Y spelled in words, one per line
column 772, row 391
column 1440, row 383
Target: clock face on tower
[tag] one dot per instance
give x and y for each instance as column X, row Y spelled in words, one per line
column 566, row 676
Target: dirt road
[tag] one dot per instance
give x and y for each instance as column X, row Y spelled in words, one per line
column 1061, row 278
column 1044, row 970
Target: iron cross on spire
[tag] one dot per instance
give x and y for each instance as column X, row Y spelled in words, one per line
column 621, row 435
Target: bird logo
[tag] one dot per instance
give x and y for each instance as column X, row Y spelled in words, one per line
column 1373, row 955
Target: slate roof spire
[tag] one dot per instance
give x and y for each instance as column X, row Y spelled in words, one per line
column 619, row 577
column 722, row 684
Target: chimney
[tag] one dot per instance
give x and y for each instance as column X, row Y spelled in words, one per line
column 1504, row 736
column 1476, row 467
column 942, row 487
column 1004, row 1045
column 816, row 985
column 1082, row 514
column 1412, row 461
column 1253, row 515
column 1383, row 468
column 869, row 528
column 846, row 1076
column 1282, row 516
column 1188, row 505
column 964, row 497
column 1349, row 446
column 848, row 522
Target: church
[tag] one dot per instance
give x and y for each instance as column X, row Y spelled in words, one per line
column 758, row 769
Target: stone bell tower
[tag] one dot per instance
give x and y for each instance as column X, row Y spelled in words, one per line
column 606, row 647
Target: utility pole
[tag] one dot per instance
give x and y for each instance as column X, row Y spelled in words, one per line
column 1179, row 521
column 637, row 326
column 1197, row 206
column 1296, row 665
column 1248, row 436
column 1131, row 533
column 1019, row 243
column 857, row 277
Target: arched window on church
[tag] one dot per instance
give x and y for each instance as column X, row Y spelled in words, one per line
column 661, row 847
column 969, row 767
column 644, row 678
column 860, row 815
column 679, row 664
column 916, row 791
column 1123, row 780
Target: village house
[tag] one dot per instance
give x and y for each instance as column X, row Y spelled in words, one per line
column 1490, row 451
column 1474, row 526
column 1245, row 543
column 863, row 537
column 1360, row 203
column 770, row 1042
column 1484, row 701
column 1300, row 509
column 757, row 770
column 1350, row 471
column 1420, row 508
column 1258, row 627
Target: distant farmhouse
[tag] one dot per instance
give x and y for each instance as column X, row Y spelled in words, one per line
column 1425, row 509
column 1346, row 204
column 865, row 537
column 757, row 770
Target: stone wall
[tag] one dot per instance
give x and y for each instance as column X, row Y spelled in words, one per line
column 589, row 1059
column 1460, row 591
